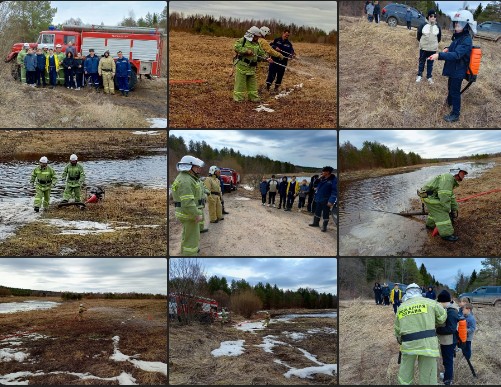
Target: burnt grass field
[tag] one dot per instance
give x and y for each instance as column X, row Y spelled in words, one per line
column 377, row 89
column 191, row 362
column 211, row 105
column 85, row 346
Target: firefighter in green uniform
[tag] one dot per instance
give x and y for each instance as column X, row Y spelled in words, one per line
column 249, row 52
column 187, row 193
column 74, row 176
column 44, row 178
column 60, row 57
column 415, row 324
column 20, row 61
column 266, row 320
column 107, row 69
column 439, row 198
column 47, row 54
column 214, row 186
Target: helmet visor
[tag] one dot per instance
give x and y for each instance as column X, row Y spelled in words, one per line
column 460, row 25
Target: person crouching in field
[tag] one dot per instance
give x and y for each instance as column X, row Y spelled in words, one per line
column 429, row 35
column 249, row 52
column 457, row 59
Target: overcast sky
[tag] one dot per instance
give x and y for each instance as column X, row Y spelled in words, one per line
column 307, row 148
column 320, row 14
column 287, row 273
column 429, row 143
column 445, row 270
column 121, row 275
column 450, row 7
column 108, row 12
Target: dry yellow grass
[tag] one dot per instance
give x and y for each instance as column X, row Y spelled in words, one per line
column 211, row 104
column 377, row 89
column 370, row 356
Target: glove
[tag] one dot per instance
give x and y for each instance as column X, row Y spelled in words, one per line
column 454, row 214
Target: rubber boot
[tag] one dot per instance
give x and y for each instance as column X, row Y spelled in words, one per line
column 324, row 226
column 316, row 222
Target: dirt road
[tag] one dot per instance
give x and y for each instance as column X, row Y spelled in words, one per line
column 253, row 230
column 371, row 356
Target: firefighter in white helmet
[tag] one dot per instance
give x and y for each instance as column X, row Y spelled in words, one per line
column 265, row 45
column 414, row 326
column 74, row 176
column 20, row 61
column 44, row 179
column 81, row 311
column 214, row 186
column 439, row 198
column 187, row 194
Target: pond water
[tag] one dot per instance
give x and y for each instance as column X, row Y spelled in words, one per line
column 14, row 307
column 365, row 231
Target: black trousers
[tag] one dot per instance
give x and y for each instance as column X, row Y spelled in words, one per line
column 321, row 207
column 301, row 202
column 271, row 197
column 290, row 200
column 283, row 199
column 275, row 71
column 263, row 198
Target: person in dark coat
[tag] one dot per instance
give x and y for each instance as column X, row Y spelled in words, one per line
column 377, row 11
column 40, row 71
column 457, row 59
column 378, row 291
column 385, row 290
column 282, row 192
column 284, row 47
column 79, row 69
column 447, row 335
column 30, row 63
column 431, row 294
column 311, row 193
column 325, row 197
column 123, row 73
column 91, row 65
column 408, row 17
column 69, row 68
column 263, row 187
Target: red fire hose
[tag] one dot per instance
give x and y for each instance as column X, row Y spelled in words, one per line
column 435, row 231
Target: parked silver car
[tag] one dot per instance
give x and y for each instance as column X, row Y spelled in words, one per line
column 487, row 295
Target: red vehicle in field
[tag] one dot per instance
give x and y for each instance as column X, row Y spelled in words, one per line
column 231, row 179
column 141, row 45
column 184, row 305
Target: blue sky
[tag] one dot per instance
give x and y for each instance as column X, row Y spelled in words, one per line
column 287, row 273
column 445, row 270
column 320, row 14
column 108, row 12
column 429, row 143
column 308, row 148
column 141, row 275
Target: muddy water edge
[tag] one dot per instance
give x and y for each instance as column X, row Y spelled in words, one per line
column 367, row 225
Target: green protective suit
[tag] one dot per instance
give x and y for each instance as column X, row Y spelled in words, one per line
column 20, row 61
column 44, row 179
column 187, row 193
column 418, row 316
column 60, row 73
column 215, row 208
column 245, row 74
column 74, row 176
column 440, row 202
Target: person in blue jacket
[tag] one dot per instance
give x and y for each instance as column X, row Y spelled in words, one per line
column 457, row 59
column 408, row 17
column 325, row 197
column 91, row 65
column 263, row 187
column 282, row 192
column 40, row 71
column 284, row 47
column 123, row 73
column 431, row 293
column 30, row 63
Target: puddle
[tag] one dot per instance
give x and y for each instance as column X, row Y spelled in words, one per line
column 313, row 315
column 366, row 232
column 157, row 122
column 14, row 307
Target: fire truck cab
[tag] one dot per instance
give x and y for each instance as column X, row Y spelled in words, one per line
column 204, row 309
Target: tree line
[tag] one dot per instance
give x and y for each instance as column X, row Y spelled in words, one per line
column 374, row 155
column 489, row 275
column 235, row 28
column 225, row 157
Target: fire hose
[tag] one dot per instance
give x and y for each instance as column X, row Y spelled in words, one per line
column 435, row 231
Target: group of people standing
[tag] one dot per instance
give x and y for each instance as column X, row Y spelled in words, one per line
column 373, row 11
column 44, row 66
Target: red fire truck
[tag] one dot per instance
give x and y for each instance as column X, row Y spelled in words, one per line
column 184, row 305
column 231, row 179
column 141, row 45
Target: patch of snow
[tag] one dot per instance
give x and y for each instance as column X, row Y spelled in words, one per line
column 72, row 227
column 327, row 330
column 229, row 348
column 296, row 336
column 311, row 357
column 263, row 107
column 13, row 378
column 8, row 354
column 242, row 199
column 14, row 307
column 157, row 123
column 327, row 369
column 269, row 342
column 247, row 326
column 126, row 379
column 150, row 366
column 248, row 187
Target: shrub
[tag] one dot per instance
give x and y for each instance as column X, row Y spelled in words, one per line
column 245, row 303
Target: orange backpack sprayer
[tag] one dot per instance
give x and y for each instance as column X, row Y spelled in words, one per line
column 473, row 66
column 462, row 331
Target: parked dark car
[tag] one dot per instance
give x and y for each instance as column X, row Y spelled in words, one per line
column 489, row 295
column 489, row 30
column 394, row 14
column 402, row 287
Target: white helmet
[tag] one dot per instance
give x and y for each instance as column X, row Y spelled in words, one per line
column 264, row 31
column 458, row 168
column 81, row 304
column 249, row 35
column 187, row 162
column 213, row 170
column 26, row 45
column 44, row 46
column 44, row 160
column 413, row 286
column 58, row 45
column 73, row 157
column 464, row 17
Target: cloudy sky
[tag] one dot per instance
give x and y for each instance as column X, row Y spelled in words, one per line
column 307, row 148
column 320, row 14
column 450, row 7
column 108, row 12
column 141, row 275
column 429, row 143
column 445, row 270
column 287, row 273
